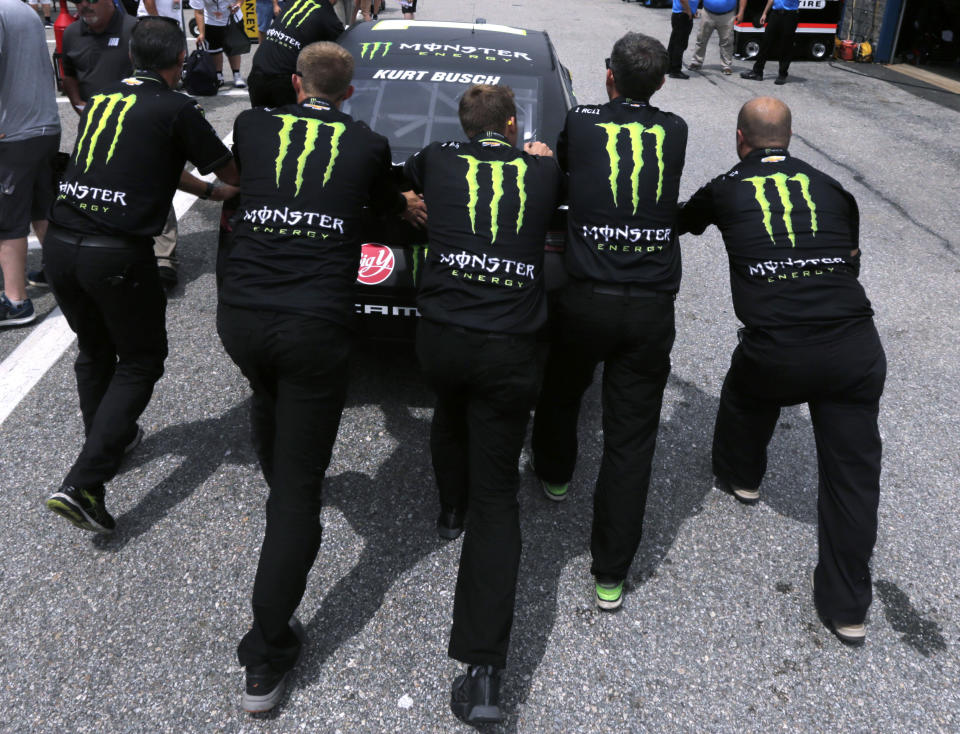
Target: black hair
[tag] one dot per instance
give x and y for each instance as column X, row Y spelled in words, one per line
column 638, row 63
column 156, row 43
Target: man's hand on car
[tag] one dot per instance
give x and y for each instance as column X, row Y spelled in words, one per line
column 223, row 191
column 416, row 211
column 537, row 148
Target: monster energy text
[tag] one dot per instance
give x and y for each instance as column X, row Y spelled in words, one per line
column 312, row 131
column 635, row 132
column 96, row 122
column 496, row 181
column 780, row 182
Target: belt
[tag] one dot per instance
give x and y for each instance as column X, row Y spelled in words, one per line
column 631, row 290
column 99, row 240
column 495, row 336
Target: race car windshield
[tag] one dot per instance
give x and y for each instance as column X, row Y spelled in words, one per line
column 413, row 114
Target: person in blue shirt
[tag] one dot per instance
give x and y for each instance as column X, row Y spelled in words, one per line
column 780, row 18
column 716, row 15
column 681, row 23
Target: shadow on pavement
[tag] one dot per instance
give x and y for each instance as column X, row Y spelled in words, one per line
column 202, row 447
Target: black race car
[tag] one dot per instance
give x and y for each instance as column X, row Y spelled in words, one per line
column 408, row 81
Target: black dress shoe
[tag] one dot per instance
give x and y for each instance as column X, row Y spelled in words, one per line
column 755, row 75
column 782, row 79
column 450, row 524
column 678, row 75
column 167, row 275
column 475, row 696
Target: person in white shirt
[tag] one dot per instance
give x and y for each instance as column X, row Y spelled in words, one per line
column 212, row 17
column 167, row 8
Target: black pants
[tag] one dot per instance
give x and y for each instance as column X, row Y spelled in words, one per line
column 841, row 379
column 632, row 335
column 777, row 40
column 681, row 24
column 297, row 368
column 112, row 299
column 486, row 385
column 270, row 90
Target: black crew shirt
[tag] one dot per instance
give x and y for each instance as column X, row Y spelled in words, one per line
column 792, row 239
column 307, row 170
column 624, row 160
column 489, row 206
column 98, row 59
column 133, row 140
column 302, row 22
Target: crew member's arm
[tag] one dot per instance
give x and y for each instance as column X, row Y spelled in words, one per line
column 151, row 7
column 386, row 197
column 686, row 8
column 535, row 147
column 207, row 189
column 202, row 147
column 698, row 213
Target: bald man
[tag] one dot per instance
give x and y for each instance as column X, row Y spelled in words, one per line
column 792, row 238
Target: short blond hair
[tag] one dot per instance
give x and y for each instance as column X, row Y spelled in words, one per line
column 325, row 69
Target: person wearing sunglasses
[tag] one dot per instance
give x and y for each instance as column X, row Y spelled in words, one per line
column 96, row 51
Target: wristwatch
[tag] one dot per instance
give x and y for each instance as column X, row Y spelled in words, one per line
column 208, row 192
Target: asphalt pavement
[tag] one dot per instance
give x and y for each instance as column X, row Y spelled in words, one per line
column 137, row 632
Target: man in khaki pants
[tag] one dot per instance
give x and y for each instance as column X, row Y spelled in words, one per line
column 719, row 15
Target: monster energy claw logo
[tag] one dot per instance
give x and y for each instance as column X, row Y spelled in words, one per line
column 496, row 181
column 369, row 50
column 635, row 132
column 98, row 116
column 780, row 182
column 311, row 133
column 299, row 11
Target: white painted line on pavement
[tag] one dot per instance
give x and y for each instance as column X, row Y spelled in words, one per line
column 36, row 354
column 31, row 359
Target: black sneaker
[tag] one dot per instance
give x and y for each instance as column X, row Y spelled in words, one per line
column 475, row 696
column 264, row 689
column 11, row 315
column 742, row 494
column 265, row 686
column 755, row 75
column 781, row 79
column 135, row 441
column 37, row 278
column 83, row 507
column 167, row 275
column 450, row 524
column 853, row 635
column 678, row 75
